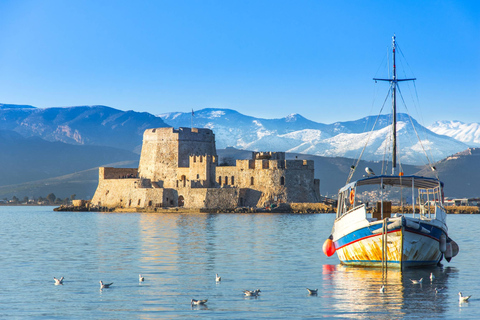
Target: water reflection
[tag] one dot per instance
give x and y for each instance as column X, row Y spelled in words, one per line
column 355, row 291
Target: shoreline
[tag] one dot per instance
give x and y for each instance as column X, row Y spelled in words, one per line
column 294, row 208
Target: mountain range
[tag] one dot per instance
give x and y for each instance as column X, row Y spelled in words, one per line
column 468, row 133
column 296, row 134
column 59, row 149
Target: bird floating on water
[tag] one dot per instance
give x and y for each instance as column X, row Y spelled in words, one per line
column 58, row 281
column 417, row 281
column 382, row 289
column 432, row 277
column 198, row 302
column 463, row 298
column 438, row 290
column 105, row 285
column 253, row 293
column 312, row 291
column 218, row 278
column 140, row 278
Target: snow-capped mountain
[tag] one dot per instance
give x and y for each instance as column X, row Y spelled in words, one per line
column 468, row 133
column 296, row 134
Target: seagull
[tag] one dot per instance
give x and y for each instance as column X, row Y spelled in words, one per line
column 58, row 281
column 312, row 291
column 140, row 278
column 462, row 298
column 417, row 281
column 198, row 302
column 432, row 277
column 438, row 290
column 105, row 285
column 382, row 289
column 217, row 278
column 369, row 171
column 253, row 293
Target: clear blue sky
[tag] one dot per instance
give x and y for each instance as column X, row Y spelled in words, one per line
column 262, row 58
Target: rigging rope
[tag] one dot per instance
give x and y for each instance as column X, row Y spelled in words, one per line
column 415, row 129
column 353, row 168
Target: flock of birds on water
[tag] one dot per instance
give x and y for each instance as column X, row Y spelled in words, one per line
column 461, row 297
column 194, row 302
column 256, row 292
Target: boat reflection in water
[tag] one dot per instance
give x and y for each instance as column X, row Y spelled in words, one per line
column 354, row 292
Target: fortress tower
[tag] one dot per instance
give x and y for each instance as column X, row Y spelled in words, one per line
column 165, row 150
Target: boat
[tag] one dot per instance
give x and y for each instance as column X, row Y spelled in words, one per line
column 375, row 227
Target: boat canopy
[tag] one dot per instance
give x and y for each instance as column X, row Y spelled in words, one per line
column 417, row 182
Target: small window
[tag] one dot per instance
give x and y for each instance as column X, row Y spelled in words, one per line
column 198, row 176
column 138, row 202
column 219, row 180
column 282, row 181
column 252, row 181
column 226, row 180
column 232, row 180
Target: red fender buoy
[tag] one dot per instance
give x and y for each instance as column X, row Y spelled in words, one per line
column 328, row 247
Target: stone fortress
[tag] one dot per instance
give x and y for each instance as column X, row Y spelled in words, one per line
column 179, row 168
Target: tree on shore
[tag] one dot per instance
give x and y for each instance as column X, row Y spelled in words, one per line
column 51, row 198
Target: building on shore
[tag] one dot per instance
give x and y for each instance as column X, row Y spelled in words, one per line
column 179, row 168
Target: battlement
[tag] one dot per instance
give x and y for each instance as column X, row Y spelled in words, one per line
column 117, row 173
column 268, row 155
column 172, row 134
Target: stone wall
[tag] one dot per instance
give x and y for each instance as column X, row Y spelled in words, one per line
column 279, row 181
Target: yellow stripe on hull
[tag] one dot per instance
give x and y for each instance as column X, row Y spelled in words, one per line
column 417, row 250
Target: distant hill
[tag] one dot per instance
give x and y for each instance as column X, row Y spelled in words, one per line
column 460, row 173
column 81, row 183
column 15, row 106
column 30, row 159
column 85, row 125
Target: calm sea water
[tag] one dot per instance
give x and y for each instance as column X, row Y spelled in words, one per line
column 179, row 255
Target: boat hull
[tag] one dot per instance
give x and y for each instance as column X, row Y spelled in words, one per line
column 406, row 247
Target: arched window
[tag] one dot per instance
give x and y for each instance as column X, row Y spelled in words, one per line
column 251, row 181
column 184, row 179
column 226, row 180
column 232, row 181
column 220, row 180
column 282, row 181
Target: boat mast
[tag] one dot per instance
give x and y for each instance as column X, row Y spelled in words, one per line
column 394, row 83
